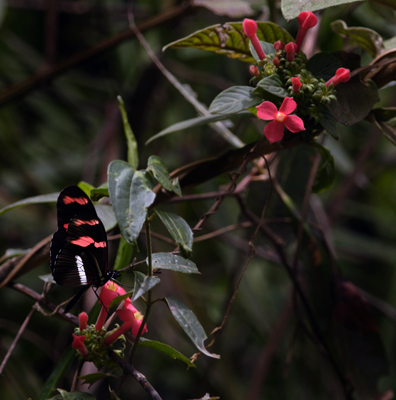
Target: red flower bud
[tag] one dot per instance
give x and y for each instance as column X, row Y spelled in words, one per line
column 290, row 49
column 254, row 70
column 306, row 20
column 250, row 29
column 341, row 75
column 296, row 84
column 83, row 318
column 279, row 45
column 276, row 61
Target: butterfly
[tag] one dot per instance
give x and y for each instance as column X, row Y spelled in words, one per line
column 78, row 252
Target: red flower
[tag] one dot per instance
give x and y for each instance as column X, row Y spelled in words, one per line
column 290, row 49
column 341, row 75
column 296, row 84
column 250, row 29
column 108, row 293
column 78, row 343
column 132, row 320
column 306, row 20
column 274, row 130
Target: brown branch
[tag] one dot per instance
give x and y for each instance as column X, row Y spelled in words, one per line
column 13, row 267
column 316, row 330
column 221, row 231
column 41, row 300
column 22, row 88
column 128, row 369
column 16, row 339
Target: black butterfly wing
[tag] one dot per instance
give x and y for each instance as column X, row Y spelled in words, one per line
column 71, row 201
column 79, row 246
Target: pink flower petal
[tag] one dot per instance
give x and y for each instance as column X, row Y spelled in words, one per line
column 274, row 131
column 288, row 105
column 294, row 123
column 267, row 111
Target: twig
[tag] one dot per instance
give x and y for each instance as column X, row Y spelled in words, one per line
column 128, row 369
column 219, row 127
column 22, row 88
column 221, row 231
column 316, row 330
column 15, row 341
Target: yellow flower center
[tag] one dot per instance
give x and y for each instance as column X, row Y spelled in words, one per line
column 112, row 286
column 280, row 117
column 138, row 316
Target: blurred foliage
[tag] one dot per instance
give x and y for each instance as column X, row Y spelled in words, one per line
column 69, row 128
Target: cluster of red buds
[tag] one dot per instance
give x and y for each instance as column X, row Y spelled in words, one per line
column 93, row 341
column 288, row 62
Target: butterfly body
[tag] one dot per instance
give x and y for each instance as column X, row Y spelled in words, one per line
column 78, row 253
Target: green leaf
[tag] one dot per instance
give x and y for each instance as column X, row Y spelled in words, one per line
column 133, row 155
column 329, row 123
column 97, row 193
column 90, row 379
column 384, row 114
column 106, row 215
column 193, row 122
column 234, row 100
column 190, row 324
column 158, row 169
column 366, row 38
column 124, row 254
column 268, row 48
column 57, row 374
column 291, row 8
column 180, row 231
column 166, row 349
column 143, row 284
column 271, row 84
column 47, row 278
column 117, row 300
column 130, row 194
column 45, row 198
column 230, row 40
column 355, row 100
column 174, row 263
column 326, row 171
column 323, row 65
column 230, row 8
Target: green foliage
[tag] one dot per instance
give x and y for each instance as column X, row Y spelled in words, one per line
column 229, row 39
column 190, row 324
column 321, row 262
column 179, row 230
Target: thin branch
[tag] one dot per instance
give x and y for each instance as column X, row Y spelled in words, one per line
column 16, row 339
column 219, row 127
column 22, row 88
column 128, row 369
column 221, row 231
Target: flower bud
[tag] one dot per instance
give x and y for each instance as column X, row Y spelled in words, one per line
column 290, row 49
column 306, row 20
column 279, row 45
column 254, row 70
column 83, row 318
column 250, row 29
column 296, row 84
column 341, row 75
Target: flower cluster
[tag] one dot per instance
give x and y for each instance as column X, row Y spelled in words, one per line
column 308, row 95
column 92, row 341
